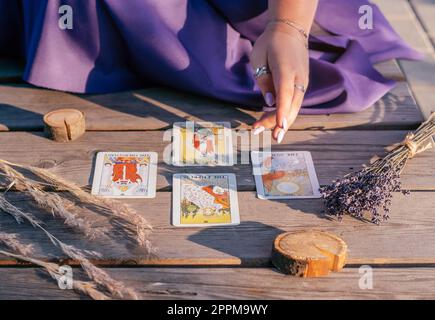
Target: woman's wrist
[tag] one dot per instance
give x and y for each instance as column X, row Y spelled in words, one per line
column 299, row 12
column 277, row 26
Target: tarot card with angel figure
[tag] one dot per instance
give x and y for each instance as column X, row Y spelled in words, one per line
column 205, row 200
column 285, row 175
column 202, row 144
column 125, row 175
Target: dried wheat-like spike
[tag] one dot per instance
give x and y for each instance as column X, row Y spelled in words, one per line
column 116, row 288
column 55, row 204
column 17, row 213
column 21, row 216
column 130, row 216
column 88, row 288
column 118, row 210
column 99, row 276
column 11, row 241
column 59, row 207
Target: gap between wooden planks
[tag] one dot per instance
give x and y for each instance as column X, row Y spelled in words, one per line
column 397, row 242
column 335, row 153
column 232, row 283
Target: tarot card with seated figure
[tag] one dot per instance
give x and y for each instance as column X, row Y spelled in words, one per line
column 285, row 175
column 202, row 144
column 205, row 200
column 125, row 175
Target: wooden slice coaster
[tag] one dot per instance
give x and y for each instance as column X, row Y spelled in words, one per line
column 309, row 253
column 65, row 124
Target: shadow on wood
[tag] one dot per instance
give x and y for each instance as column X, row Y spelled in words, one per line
column 231, row 241
column 17, row 119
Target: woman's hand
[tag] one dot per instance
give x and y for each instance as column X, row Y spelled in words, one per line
column 283, row 50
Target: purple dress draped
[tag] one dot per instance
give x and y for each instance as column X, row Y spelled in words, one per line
column 200, row 46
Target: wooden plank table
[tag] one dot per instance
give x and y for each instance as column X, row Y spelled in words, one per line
column 234, row 283
column 158, row 108
column 218, row 263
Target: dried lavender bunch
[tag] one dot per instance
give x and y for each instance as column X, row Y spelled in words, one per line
column 362, row 192
column 371, row 189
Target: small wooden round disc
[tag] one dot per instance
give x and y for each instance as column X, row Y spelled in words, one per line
column 309, row 253
column 65, row 124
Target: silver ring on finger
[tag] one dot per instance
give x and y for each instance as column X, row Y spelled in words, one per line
column 261, row 71
column 300, row 87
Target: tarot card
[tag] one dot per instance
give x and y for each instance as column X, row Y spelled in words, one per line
column 125, row 175
column 202, row 144
column 284, row 175
column 205, row 200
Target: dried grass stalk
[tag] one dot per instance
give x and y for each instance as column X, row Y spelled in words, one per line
column 100, row 277
column 84, row 287
column 117, row 209
column 19, row 215
column 62, row 207
column 11, row 241
column 58, row 206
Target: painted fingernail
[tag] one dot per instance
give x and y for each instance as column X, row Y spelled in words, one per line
column 269, row 98
column 259, row 130
column 280, row 135
column 269, row 109
column 284, row 124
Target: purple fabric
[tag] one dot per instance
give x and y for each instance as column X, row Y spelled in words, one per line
column 201, row 46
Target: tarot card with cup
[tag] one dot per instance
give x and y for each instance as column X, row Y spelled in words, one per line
column 202, row 144
column 125, row 175
column 205, row 200
column 284, row 175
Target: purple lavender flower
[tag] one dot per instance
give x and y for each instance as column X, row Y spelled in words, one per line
column 362, row 192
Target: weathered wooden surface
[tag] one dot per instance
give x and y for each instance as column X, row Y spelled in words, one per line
column 153, row 109
column 233, row 283
column 402, row 17
column 414, row 21
column 421, row 78
column 335, row 153
column 390, row 69
column 425, row 11
column 405, row 242
column 421, row 75
column 398, row 241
